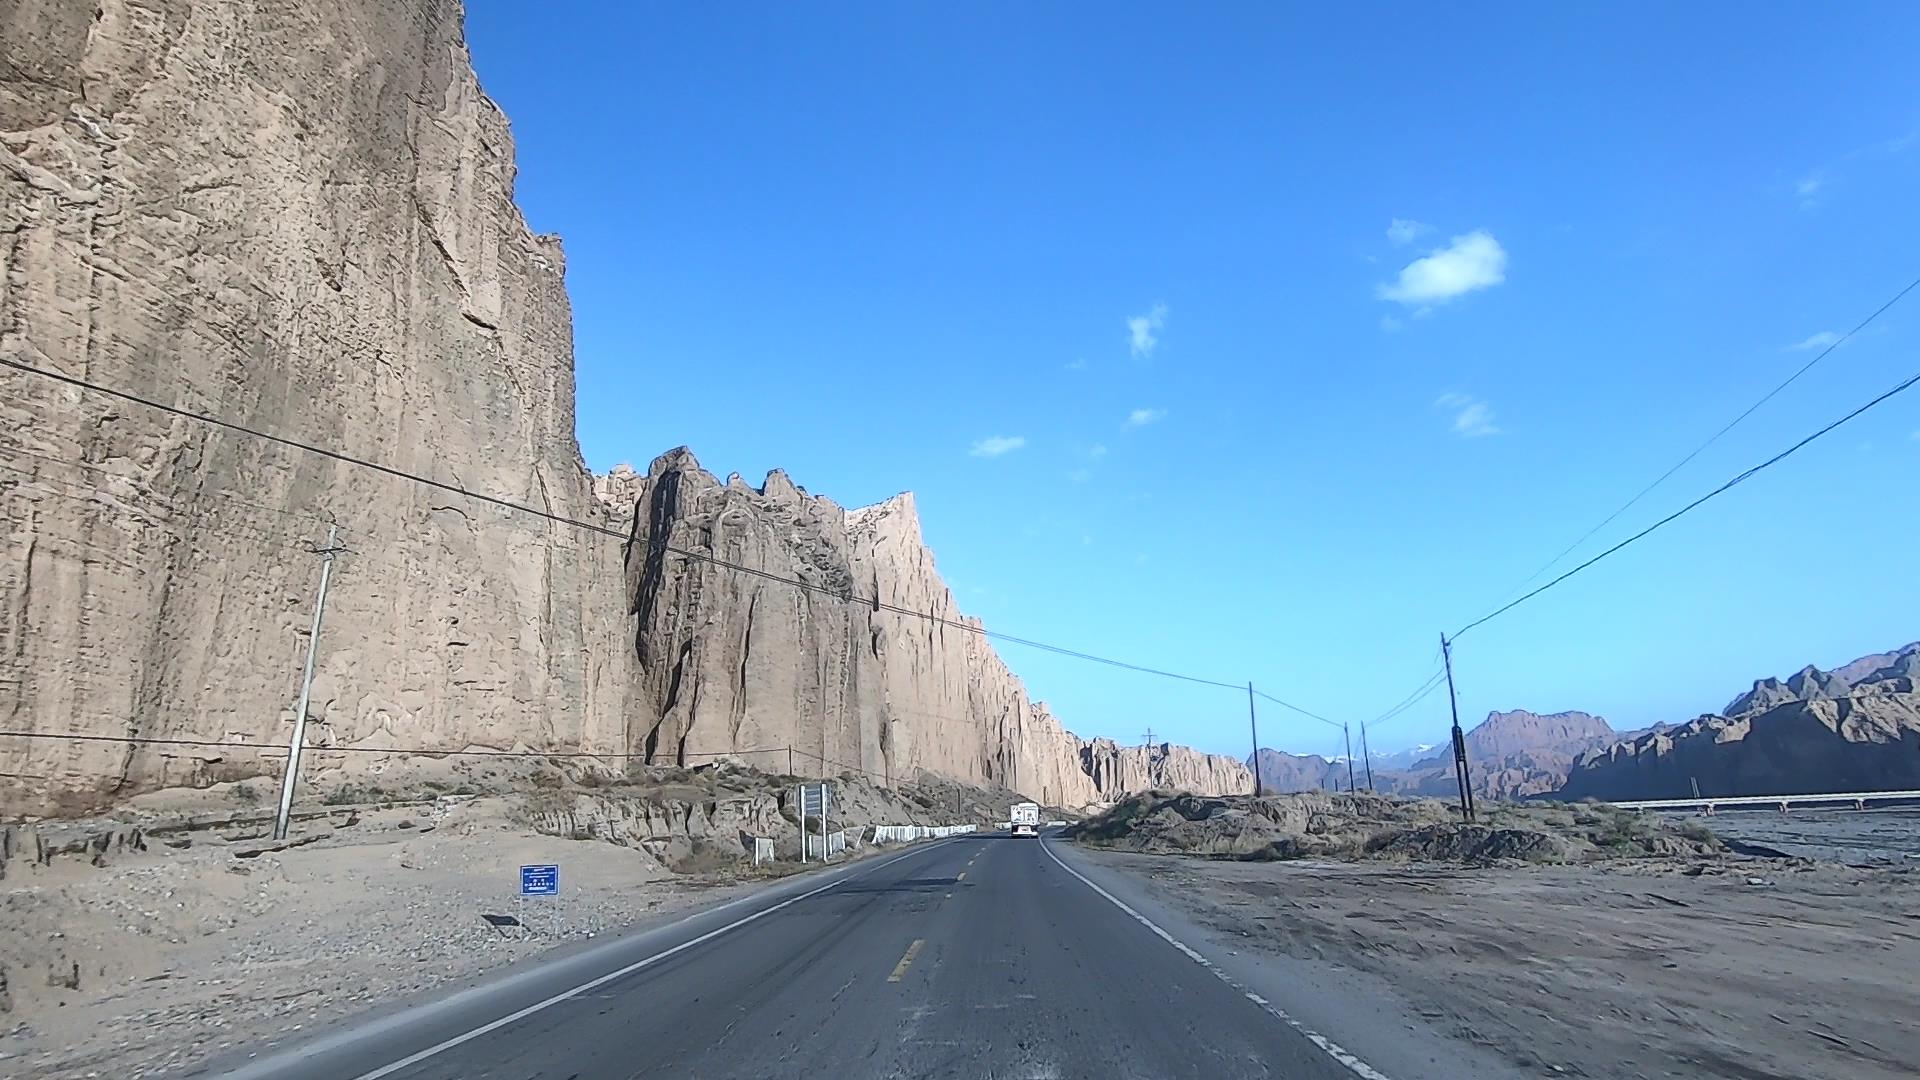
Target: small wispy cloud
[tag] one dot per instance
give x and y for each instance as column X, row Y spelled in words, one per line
column 1807, row 189
column 995, row 445
column 1820, row 340
column 1407, row 230
column 1144, row 330
column 1915, row 436
column 1472, row 418
column 1143, row 417
column 1080, row 476
column 1097, row 451
column 1391, row 324
column 1468, row 263
column 1079, row 364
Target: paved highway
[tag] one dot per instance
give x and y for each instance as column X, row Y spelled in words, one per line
column 980, row 956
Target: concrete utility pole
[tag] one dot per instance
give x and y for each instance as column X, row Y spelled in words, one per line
column 1348, row 736
column 1461, row 772
column 288, row 779
column 1253, row 724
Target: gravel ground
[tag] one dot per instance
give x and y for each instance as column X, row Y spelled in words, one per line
column 1757, row 969
column 160, row 958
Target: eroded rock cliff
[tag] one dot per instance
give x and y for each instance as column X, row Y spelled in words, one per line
column 871, row 665
column 300, row 218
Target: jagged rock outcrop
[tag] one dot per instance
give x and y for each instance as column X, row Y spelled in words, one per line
column 300, row 218
column 870, row 666
column 1856, row 728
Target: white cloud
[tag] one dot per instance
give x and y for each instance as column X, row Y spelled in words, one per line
column 1390, row 324
column 995, row 445
column 1079, row 364
column 1472, row 418
column 1144, row 330
column 1080, row 476
column 1808, row 189
column 1818, row 341
column 1097, row 451
column 1473, row 261
column 1143, row 417
column 1406, row 230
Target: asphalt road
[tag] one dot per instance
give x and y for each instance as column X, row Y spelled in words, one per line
column 978, row 956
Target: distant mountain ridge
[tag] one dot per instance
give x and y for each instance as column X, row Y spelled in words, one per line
column 1856, row 727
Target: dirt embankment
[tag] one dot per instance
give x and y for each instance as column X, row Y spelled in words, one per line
column 1319, row 824
column 1574, row 940
column 178, row 929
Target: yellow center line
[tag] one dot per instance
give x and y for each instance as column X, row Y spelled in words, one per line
column 906, row 961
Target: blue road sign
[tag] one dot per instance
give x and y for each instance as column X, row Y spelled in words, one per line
column 540, row 880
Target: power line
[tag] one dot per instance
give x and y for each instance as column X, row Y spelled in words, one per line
column 421, row 751
column 1781, row 456
column 844, row 595
column 1426, row 690
column 1296, row 708
column 1715, row 437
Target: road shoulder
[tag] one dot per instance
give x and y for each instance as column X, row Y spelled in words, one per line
column 1357, row 1010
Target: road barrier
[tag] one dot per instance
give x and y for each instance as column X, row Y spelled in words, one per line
column 897, row 834
column 827, row 846
column 762, row 850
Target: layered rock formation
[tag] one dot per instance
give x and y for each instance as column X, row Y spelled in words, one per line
column 300, row 218
column 1856, row 728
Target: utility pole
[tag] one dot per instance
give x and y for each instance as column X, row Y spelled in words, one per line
column 1348, row 736
column 1367, row 756
column 288, row 779
column 1461, row 771
column 1253, row 724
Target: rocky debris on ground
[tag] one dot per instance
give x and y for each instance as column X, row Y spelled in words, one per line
column 1343, row 826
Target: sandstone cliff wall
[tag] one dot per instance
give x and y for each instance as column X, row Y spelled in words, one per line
column 299, row 217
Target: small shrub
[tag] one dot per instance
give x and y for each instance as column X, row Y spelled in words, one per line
column 1697, row 832
column 243, row 793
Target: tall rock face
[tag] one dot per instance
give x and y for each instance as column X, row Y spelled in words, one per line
column 1856, row 728
column 869, row 664
column 298, row 217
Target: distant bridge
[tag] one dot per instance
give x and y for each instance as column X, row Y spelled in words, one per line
column 1707, row 803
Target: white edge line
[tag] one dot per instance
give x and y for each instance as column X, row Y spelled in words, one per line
column 422, row 1055
column 1331, row 1048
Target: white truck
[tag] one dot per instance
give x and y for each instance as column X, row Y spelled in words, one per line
column 1025, row 819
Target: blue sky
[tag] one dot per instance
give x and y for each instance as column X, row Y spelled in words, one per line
column 1269, row 341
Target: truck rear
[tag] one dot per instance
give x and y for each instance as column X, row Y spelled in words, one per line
column 1025, row 819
